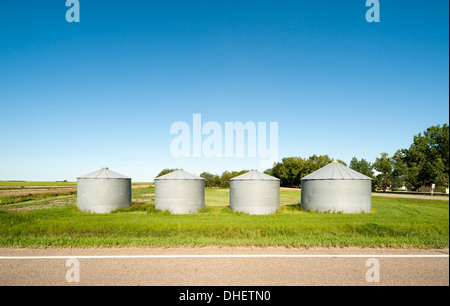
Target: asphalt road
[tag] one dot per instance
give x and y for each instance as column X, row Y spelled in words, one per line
column 224, row 267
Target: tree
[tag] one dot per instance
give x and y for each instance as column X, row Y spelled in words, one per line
column 315, row 162
column 399, row 169
column 384, row 166
column 342, row 162
column 362, row 166
column 366, row 168
column 269, row 171
column 227, row 176
column 165, row 171
column 427, row 159
column 354, row 164
column 211, row 180
column 291, row 169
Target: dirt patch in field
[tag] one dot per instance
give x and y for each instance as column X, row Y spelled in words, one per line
column 141, row 201
column 289, row 188
column 41, row 204
column 17, row 192
column 141, row 186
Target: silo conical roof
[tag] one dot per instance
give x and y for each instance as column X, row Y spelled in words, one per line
column 254, row 175
column 336, row 171
column 179, row 174
column 104, row 173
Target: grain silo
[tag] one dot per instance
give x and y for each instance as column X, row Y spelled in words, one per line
column 336, row 188
column 255, row 193
column 179, row 192
column 103, row 191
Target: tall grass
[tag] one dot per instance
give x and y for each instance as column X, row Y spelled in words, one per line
column 30, row 197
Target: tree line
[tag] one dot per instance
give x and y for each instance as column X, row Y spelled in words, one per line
column 213, row 180
column 426, row 162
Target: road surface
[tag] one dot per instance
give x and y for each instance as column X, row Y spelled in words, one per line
column 213, row 266
column 411, row 196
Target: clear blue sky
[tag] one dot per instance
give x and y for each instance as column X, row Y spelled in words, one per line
column 104, row 92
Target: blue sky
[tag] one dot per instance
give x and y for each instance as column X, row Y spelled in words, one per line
column 75, row 97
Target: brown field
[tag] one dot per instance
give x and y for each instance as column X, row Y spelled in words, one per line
column 36, row 190
column 17, row 194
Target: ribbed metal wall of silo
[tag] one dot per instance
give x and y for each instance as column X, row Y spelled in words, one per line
column 255, row 193
column 336, row 189
column 180, row 192
column 103, row 191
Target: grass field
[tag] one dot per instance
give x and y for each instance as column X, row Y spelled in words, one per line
column 55, row 222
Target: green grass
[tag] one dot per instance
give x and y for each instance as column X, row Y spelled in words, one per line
column 143, row 193
column 394, row 222
column 217, row 196
column 221, row 197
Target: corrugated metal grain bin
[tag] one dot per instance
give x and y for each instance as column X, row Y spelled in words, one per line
column 337, row 188
column 180, row 192
column 103, row 191
column 255, row 193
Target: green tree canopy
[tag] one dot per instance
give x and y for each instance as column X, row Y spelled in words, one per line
column 384, row 165
column 362, row 166
column 292, row 169
column 165, row 171
column 427, row 159
column 211, row 180
column 341, row 162
column 227, row 176
column 399, row 169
